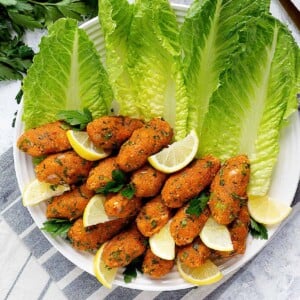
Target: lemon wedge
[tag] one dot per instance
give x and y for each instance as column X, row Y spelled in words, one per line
column 206, row 274
column 266, row 210
column 177, row 156
column 103, row 273
column 162, row 243
column 84, row 147
column 216, row 236
column 37, row 191
column 94, row 213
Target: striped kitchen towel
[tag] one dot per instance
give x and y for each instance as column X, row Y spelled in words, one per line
column 75, row 283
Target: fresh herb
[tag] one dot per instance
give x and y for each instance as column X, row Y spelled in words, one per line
column 57, row 227
column 110, row 187
column 118, row 176
column 75, row 118
column 18, row 16
column 258, row 230
column 19, row 96
column 197, row 205
column 130, row 271
column 18, row 99
column 15, row 58
column 128, row 191
column 116, row 184
column 37, row 160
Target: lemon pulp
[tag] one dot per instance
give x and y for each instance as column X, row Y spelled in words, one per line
column 177, row 156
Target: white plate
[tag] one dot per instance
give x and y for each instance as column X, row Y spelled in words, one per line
column 283, row 187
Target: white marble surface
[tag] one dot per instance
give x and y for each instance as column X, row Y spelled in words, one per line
column 273, row 274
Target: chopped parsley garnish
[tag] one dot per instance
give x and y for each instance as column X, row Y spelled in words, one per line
column 130, row 271
column 77, row 119
column 258, row 230
column 57, row 227
column 197, row 205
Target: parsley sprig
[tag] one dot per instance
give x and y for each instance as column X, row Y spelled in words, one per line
column 128, row 191
column 16, row 16
column 117, row 184
column 197, row 205
column 77, row 119
column 57, row 227
column 258, row 230
column 130, row 271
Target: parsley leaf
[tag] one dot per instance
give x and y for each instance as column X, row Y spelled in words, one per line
column 75, row 118
column 197, row 205
column 115, row 185
column 57, row 227
column 37, row 160
column 128, row 191
column 18, row 16
column 15, row 59
column 118, row 176
column 258, row 230
column 130, row 271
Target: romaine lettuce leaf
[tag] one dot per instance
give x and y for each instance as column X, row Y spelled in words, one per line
column 145, row 71
column 154, row 64
column 295, row 91
column 66, row 74
column 246, row 112
column 210, row 40
column 115, row 17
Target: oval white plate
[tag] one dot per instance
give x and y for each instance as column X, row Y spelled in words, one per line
column 284, row 185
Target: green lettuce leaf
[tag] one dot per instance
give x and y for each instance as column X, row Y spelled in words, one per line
column 144, row 60
column 66, row 75
column 155, row 64
column 115, row 17
column 246, row 112
column 210, row 40
column 295, row 91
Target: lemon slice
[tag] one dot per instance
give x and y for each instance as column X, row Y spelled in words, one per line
column 37, row 191
column 208, row 273
column 162, row 243
column 84, row 147
column 177, row 156
column 94, row 213
column 103, row 273
column 266, row 210
column 216, row 236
